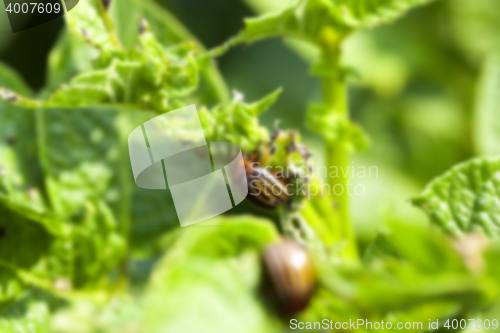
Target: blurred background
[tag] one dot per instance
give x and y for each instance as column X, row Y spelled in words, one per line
column 414, row 86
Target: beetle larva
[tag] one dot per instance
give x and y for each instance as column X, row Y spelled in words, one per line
column 265, row 189
column 291, row 271
column 274, row 186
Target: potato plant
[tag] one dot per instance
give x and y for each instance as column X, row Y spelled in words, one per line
column 83, row 249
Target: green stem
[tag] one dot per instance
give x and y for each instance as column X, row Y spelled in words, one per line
column 337, row 154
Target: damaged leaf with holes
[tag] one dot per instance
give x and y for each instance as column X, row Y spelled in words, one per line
column 149, row 76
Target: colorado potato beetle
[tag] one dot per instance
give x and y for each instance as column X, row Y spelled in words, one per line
column 264, row 188
column 270, row 186
column 292, row 274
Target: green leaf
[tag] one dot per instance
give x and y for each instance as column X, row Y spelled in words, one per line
column 148, row 76
column 95, row 244
column 126, row 15
column 29, row 314
column 151, row 80
column 166, row 27
column 88, row 184
column 91, row 23
column 170, row 32
column 25, row 246
column 146, row 84
column 210, row 276
column 428, row 279
column 238, row 122
column 28, row 228
column 153, row 215
column 309, row 19
column 487, row 123
column 21, row 184
column 466, row 198
column 25, row 206
column 125, row 18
